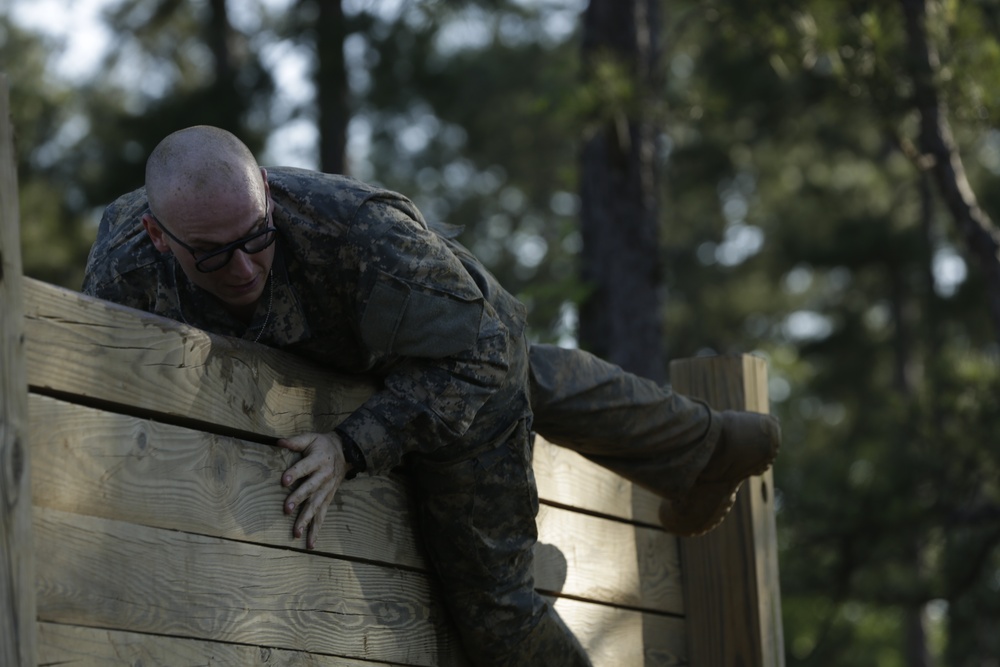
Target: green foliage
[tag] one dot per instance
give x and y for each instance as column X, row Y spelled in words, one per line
column 482, row 135
column 53, row 236
column 799, row 125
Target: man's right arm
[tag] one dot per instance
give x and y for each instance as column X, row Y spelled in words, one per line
column 122, row 263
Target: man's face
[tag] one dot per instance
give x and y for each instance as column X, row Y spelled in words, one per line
column 206, row 228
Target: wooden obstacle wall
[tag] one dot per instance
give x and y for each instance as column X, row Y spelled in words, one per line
column 154, row 532
column 157, row 511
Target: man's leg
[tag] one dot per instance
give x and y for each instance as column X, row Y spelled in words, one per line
column 678, row 448
column 646, row 433
column 478, row 521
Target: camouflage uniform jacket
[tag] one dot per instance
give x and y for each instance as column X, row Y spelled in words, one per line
column 361, row 284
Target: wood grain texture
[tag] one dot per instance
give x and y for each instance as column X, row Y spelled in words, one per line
column 565, row 477
column 609, row 561
column 17, row 625
column 615, row 637
column 731, row 575
column 169, row 511
column 77, row 646
column 122, row 576
column 136, row 470
column 151, row 365
column 127, row 578
column 144, row 364
column 138, row 361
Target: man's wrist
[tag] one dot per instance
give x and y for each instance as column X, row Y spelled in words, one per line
column 353, row 455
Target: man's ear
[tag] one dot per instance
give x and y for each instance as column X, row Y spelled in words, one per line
column 267, row 188
column 156, row 234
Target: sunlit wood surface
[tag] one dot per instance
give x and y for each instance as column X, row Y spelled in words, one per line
column 159, row 530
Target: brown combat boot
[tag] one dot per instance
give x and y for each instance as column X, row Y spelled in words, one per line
column 747, row 446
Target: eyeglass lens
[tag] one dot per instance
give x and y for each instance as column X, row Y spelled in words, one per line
column 253, row 244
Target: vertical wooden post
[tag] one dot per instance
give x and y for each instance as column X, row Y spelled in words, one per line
column 17, row 573
column 731, row 589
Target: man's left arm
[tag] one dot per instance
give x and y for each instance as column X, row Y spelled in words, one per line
column 418, row 307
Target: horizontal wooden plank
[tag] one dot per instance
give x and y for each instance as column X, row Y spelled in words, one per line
column 615, row 637
column 118, row 576
column 104, row 352
column 612, row 637
column 78, row 646
column 140, row 471
column 567, row 478
column 122, row 576
column 608, row 561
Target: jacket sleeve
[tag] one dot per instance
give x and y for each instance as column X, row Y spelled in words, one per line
column 123, row 266
column 418, row 309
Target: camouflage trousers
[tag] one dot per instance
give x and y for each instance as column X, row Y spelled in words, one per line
column 478, row 513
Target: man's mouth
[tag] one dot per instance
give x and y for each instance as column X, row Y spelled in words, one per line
column 246, row 287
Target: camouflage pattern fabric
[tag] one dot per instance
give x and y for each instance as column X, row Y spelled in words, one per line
column 363, row 284
column 644, row 432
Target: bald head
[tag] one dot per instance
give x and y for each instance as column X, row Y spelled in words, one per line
column 193, row 168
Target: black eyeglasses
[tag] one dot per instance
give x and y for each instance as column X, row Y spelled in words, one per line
column 206, row 262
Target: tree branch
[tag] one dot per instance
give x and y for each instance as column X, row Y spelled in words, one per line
column 982, row 239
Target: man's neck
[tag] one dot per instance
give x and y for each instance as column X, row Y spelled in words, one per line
column 243, row 313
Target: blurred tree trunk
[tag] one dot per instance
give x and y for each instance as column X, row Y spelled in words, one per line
column 218, row 42
column 981, row 236
column 905, row 384
column 621, row 319
column 331, row 86
column 218, row 38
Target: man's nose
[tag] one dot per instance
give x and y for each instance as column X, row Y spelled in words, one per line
column 241, row 264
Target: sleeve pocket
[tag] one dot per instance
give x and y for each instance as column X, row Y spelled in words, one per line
column 418, row 322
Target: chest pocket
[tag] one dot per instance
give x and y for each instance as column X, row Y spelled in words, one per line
column 418, row 321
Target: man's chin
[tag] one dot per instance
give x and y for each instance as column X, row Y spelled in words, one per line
column 241, row 298
column 248, row 292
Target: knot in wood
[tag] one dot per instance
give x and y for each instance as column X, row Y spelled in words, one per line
column 11, row 466
column 17, row 459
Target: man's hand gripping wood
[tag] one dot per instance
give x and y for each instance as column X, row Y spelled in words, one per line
column 313, row 480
